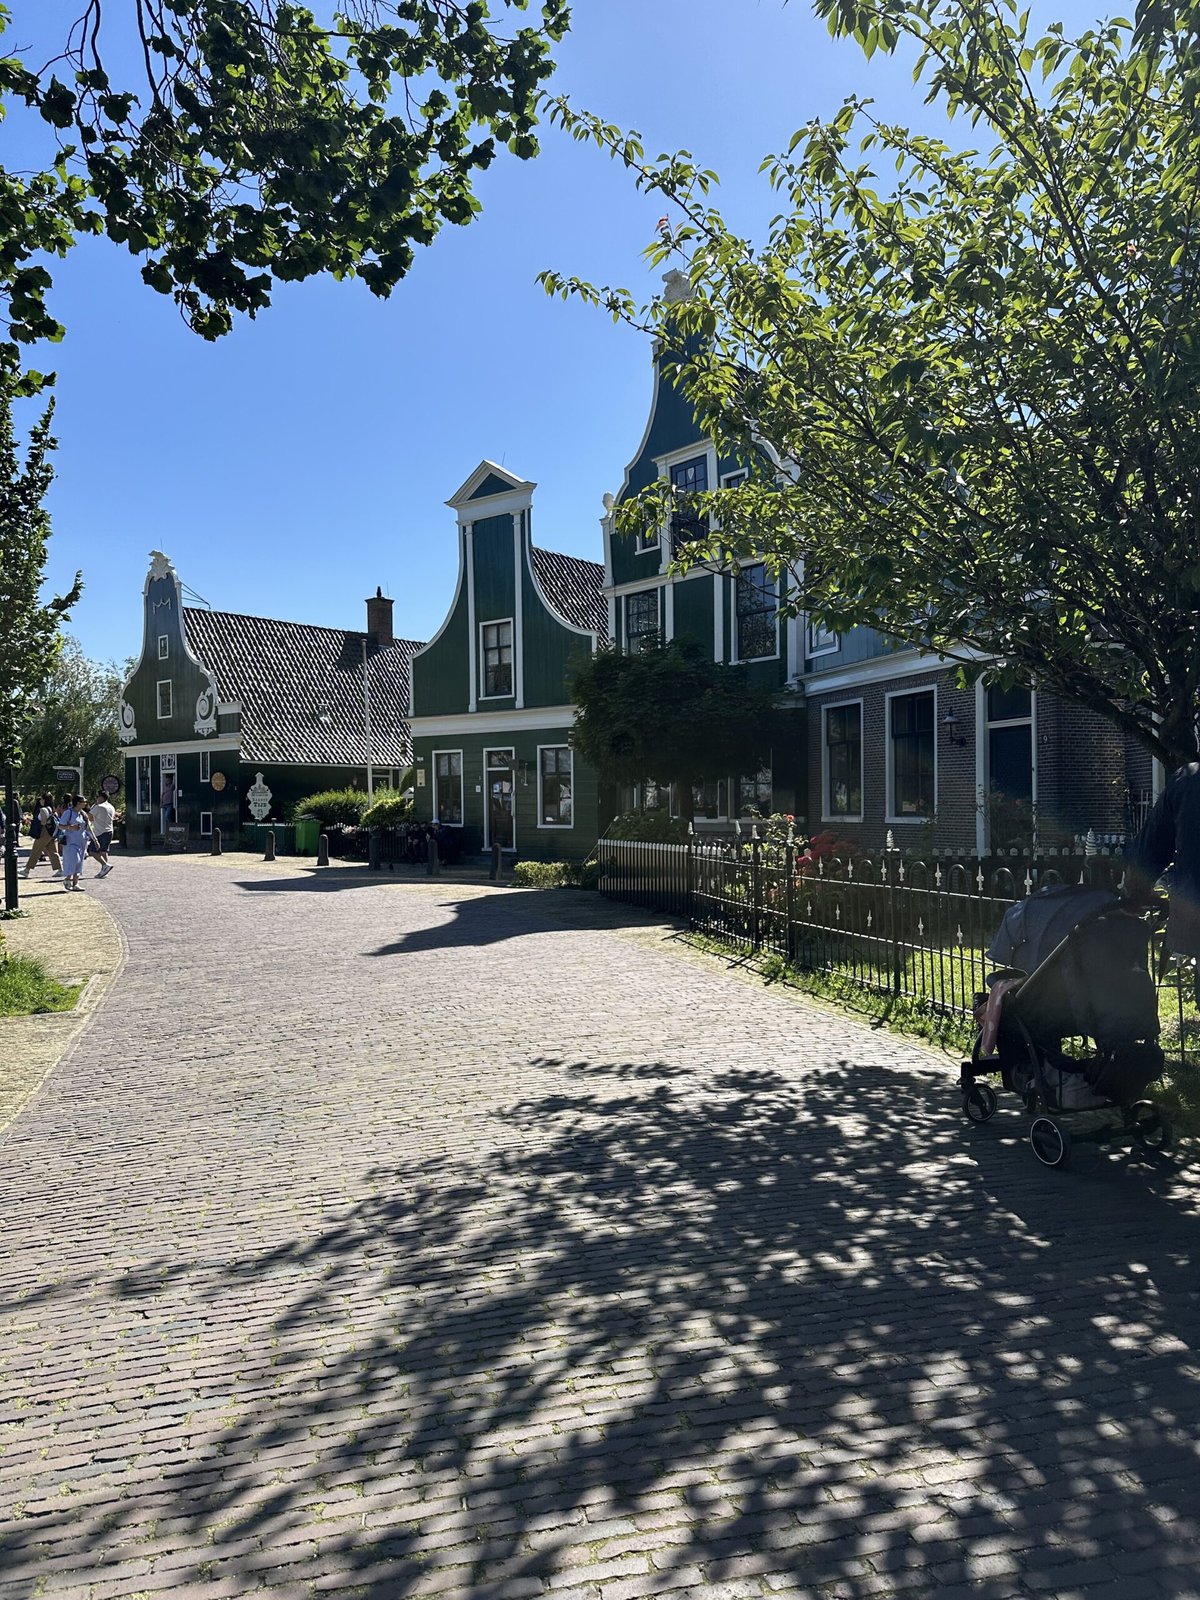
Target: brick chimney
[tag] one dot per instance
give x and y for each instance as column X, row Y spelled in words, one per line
column 379, row 620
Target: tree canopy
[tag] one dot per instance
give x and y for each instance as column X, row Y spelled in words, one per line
column 29, row 623
column 970, row 376
column 73, row 720
column 669, row 713
column 257, row 142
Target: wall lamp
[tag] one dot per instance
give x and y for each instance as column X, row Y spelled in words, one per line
column 950, row 723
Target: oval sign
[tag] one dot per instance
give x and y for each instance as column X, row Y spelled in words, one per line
column 218, row 781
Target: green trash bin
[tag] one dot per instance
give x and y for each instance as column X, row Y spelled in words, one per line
column 308, row 833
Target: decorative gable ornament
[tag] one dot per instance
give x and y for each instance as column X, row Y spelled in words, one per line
column 206, row 710
column 160, row 565
column 127, row 721
column 258, row 798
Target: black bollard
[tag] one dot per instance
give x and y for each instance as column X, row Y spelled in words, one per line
column 497, row 865
column 269, row 852
column 323, row 850
column 216, row 842
column 374, row 850
column 432, row 865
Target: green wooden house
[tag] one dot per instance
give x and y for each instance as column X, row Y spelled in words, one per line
column 229, row 719
column 490, row 710
column 733, row 613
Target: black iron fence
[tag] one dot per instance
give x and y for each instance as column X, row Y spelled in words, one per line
column 888, row 922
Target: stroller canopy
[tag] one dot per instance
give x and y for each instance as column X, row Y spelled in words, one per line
column 1033, row 928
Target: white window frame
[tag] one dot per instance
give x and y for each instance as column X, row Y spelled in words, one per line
column 160, row 685
column 140, row 810
column 554, row 826
column 497, row 622
column 462, row 781
column 635, row 594
column 206, row 766
column 735, row 652
column 206, row 824
column 734, row 480
column 849, row 816
column 985, row 754
column 889, row 795
column 813, row 633
column 164, row 647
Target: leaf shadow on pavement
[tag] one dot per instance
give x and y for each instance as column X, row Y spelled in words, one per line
column 750, row 1334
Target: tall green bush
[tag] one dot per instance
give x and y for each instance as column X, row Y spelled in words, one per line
column 390, row 809
column 333, row 808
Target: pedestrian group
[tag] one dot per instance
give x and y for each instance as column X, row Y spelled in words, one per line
column 81, row 831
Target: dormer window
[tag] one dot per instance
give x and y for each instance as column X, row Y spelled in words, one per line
column 164, row 647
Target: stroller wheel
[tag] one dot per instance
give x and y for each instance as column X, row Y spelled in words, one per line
column 979, row 1102
column 1148, row 1125
column 1050, row 1141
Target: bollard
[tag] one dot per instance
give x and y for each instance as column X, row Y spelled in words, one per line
column 432, row 865
column 374, row 850
column 323, row 850
column 497, row 866
column 269, row 852
column 216, row 841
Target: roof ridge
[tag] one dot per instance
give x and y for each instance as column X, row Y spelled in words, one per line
column 286, row 622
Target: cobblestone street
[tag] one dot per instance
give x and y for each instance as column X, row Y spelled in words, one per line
column 394, row 1239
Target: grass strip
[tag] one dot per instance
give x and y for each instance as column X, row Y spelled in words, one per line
column 27, row 989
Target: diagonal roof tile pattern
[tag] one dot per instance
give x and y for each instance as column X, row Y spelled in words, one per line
column 301, row 688
column 575, row 588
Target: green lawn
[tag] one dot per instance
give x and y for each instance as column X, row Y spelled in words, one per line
column 27, row 988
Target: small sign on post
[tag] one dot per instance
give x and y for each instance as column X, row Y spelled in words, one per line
column 177, row 836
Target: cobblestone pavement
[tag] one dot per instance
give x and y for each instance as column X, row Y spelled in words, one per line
column 400, row 1240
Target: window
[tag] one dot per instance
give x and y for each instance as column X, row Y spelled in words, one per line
column 818, row 641
column 205, row 766
column 754, row 794
column 497, row 659
column 843, row 761
column 164, row 647
column 688, row 479
column 1010, row 767
column 556, row 787
column 708, row 799
column 206, row 824
column 448, row 787
column 143, row 786
column 757, row 622
column 734, row 480
column 912, row 755
column 164, row 699
column 641, row 620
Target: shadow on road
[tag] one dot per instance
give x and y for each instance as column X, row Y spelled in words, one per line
column 751, row 1325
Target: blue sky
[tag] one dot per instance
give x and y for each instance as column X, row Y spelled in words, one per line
column 294, row 465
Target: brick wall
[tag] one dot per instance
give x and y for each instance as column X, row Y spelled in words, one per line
column 1083, row 775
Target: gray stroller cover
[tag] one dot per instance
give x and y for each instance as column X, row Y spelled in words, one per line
column 1033, row 928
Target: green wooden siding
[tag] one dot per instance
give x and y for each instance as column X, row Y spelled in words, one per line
column 551, row 648
column 694, row 610
column 441, row 680
column 162, row 618
column 533, row 843
column 491, row 485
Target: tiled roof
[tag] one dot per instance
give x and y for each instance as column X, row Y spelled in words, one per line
column 574, row 587
column 301, row 688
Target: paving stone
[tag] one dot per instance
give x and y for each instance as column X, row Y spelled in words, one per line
column 392, row 1238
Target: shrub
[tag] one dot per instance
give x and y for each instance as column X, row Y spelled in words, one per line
column 333, row 807
column 650, row 826
column 543, row 875
column 389, row 809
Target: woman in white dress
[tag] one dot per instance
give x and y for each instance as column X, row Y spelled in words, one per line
column 74, row 827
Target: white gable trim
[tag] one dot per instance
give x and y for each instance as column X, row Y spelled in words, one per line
column 462, row 497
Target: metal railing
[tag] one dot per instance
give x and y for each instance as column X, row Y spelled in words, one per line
column 888, row 922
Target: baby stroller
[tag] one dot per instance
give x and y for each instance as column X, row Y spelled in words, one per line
column 1073, row 970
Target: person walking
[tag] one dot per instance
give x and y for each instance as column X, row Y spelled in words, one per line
column 103, row 816
column 44, row 841
column 73, row 826
column 1170, row 838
